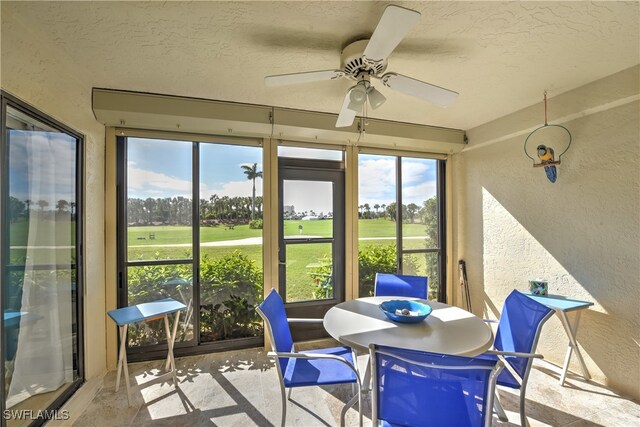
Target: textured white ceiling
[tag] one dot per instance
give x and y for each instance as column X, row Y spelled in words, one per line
column 499, row 56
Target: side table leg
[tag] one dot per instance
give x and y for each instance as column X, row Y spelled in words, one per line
column 170, row 340
column 176, row 319
column 122, row 362
column 573, row 345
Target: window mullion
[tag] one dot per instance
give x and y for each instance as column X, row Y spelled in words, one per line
column 195, row 230
column 399, row 212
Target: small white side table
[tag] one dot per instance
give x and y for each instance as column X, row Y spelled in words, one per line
column 562, row 305
column 143, row 313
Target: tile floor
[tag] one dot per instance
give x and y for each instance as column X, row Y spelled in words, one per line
column 240, row 388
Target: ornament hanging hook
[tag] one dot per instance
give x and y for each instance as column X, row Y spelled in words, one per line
column 547, row 125
column 545, row 108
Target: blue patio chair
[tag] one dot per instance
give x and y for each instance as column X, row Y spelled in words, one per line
column 416, row 388
column 336, row 365
column 515, row 342
column 398, row 285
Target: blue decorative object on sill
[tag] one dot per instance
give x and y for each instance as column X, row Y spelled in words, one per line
column 405, row 311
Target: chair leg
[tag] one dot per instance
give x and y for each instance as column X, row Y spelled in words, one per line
column 284, row 403
column 502, row 416
column 523, row 416
column 360, row 407
column 289, row 394
column 348, row 405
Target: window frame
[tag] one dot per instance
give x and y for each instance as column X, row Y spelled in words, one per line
column 194, row 346
column 441, row 202
column 9, row 100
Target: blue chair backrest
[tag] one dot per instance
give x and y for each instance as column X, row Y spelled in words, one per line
column 410, row 393
column 398, row 285
column 272, row 310
column 518, row 330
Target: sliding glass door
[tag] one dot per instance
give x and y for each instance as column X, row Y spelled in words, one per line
column 191, row 230
column 41, row 263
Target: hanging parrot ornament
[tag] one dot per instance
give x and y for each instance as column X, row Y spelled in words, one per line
column 546, row 155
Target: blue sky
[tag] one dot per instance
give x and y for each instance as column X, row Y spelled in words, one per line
column 160, row 168
column 377, row 180
column 42, row 166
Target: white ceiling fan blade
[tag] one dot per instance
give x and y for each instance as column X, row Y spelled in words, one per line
column 426, row 91
column 311, row 76
column 395, row 24
column 346, row 116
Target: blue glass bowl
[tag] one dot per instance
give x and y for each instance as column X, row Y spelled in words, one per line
column 389, row 309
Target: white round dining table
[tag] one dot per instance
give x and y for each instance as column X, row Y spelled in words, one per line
column 447, row 330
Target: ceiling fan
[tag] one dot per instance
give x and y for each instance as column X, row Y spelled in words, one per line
column 366, row 59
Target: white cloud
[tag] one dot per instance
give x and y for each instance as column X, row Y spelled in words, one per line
column 144, row 183
column 413, row 171
column 43, row 166
column 232, row 189
column 309, row 196
column 418, row 193
column 377, row 181
column 141, row 179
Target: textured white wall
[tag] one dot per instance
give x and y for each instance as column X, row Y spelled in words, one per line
column 34, row 70
column 581, row 233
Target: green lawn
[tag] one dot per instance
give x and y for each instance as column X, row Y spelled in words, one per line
column 299, row 257
column 49, row 233
column 48, row 236
column 176, row 234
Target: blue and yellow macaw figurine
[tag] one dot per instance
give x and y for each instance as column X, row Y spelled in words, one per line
column 545, row 154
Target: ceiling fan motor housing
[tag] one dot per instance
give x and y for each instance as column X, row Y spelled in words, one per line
column 353, row 62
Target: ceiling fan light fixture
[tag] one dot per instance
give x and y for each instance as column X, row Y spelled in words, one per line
column 376, row 98
column 365, row 59
column 357, row 97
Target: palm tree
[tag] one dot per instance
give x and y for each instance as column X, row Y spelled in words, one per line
column 252, row 173
column 43, row 204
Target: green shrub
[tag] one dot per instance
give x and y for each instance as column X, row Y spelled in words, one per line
column 322, row 277
column 256, row 224
column 230, row 288
column 374, row 259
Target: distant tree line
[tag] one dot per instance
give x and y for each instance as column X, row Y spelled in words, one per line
column 178, row 210
column 410, row 212
column 21, row 209
column 216, row 209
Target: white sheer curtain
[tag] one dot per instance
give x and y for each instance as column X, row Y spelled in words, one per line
column 44, row 355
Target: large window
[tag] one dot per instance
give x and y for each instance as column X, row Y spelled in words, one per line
column 41, row 262
column 159, row 238
column 206, row 254
column 400, row 219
